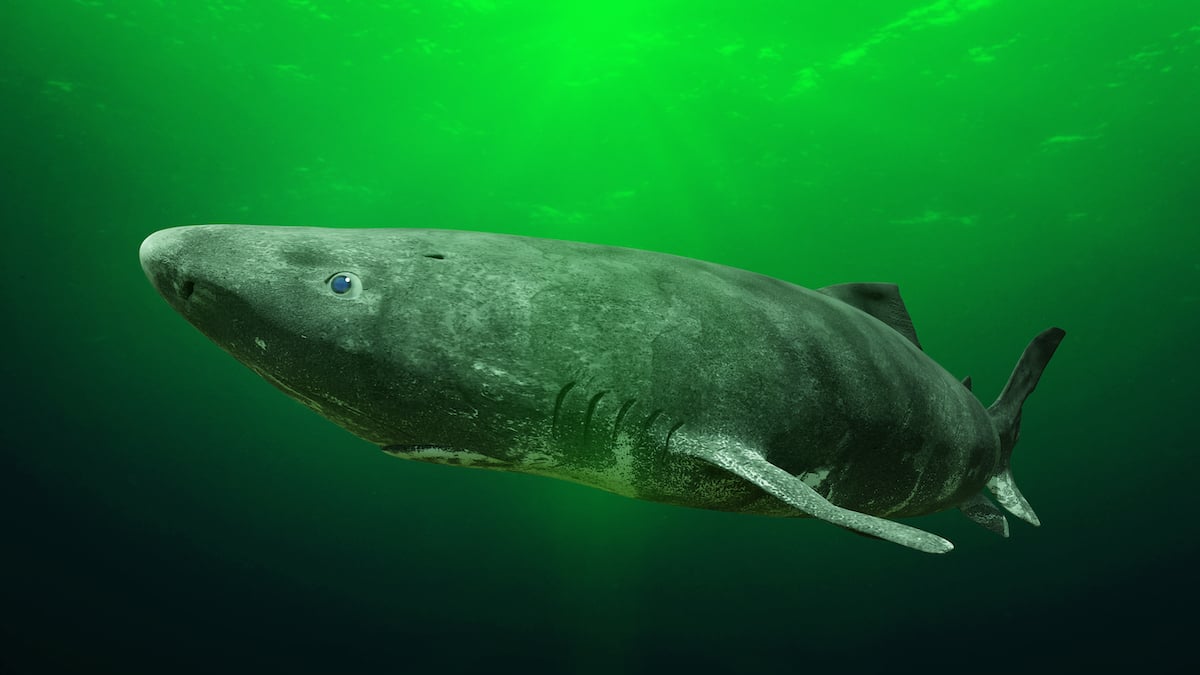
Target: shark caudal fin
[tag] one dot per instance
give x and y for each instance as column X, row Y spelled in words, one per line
column 1006, row 417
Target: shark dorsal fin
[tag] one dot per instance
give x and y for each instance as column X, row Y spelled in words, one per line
column 881, row 301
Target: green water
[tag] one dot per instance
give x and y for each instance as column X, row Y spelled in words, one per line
column 1012, row 165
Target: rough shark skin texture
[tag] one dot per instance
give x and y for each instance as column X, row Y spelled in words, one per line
column 645, row 374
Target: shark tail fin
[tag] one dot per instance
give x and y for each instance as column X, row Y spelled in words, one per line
column 1006, row 417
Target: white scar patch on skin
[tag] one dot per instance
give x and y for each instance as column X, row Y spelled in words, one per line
column 444, row 456
column 497, row 373
column 262, row 344
column 813, row 479
column 491, row 370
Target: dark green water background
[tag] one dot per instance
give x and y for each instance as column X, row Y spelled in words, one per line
column 1012, row 165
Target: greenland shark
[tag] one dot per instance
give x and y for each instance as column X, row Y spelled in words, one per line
column 649, row 375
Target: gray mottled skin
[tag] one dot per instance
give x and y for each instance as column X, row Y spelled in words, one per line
column 612, row 367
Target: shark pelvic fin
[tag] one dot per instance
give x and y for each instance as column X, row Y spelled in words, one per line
column 983, row 512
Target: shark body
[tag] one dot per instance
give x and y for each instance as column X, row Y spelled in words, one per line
column 645, row 374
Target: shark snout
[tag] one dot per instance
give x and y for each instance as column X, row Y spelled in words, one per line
column 161, row 255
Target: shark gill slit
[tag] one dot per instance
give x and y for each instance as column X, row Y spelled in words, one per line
column 650, row 421
column 587, row 418
column 621, row 416
column 667, row 444
column 562, row 393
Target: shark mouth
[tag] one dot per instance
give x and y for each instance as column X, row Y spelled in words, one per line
column 331, row 408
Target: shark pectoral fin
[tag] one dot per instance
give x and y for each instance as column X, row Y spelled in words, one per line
column 982, row 511
column 744, row 462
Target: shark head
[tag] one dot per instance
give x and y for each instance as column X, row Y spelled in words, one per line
column 352, row 323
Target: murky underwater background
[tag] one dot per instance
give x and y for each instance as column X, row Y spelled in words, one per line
column 1012, row 165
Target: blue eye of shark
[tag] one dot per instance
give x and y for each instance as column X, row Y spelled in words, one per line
column 345, row 284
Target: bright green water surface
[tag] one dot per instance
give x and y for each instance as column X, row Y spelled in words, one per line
column 1012, row 165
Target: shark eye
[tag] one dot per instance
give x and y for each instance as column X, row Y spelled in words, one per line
column 345, row 285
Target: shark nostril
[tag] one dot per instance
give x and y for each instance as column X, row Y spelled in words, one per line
column 187, row 288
